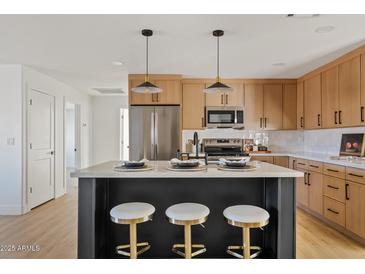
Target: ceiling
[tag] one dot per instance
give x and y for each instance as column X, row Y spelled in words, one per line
column 79, row 49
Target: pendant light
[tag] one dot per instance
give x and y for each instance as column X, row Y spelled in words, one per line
column 146, row 86
column 218, row 86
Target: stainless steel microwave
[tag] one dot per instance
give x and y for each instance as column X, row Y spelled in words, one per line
column 224, row 117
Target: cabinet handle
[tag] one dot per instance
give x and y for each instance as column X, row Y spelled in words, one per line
column 299, row 163
column 339, row 117
column 301, row 122
column 347, row 191
column 333, row 211
column 265, row 120
column 356, row 175
column 226, row 99
column 308, row 179
column 222, row 99
column 202, row 121
column 314, row 166
column 362, row 114
column 334, row 187
column 260, row 122
column 332, row 170
column 335, row 117
column 305, row 178
column 319, row 120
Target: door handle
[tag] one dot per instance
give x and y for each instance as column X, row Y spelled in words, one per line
column 226, row 99
column 305, row 178
column 319, row 120
column 222, row 98
column 362, row 114
column 301, row 122
column 265, row 120
column 347, row 192
column 260, row 122
column 339, row 117
column 308, row 183
column 335, row 117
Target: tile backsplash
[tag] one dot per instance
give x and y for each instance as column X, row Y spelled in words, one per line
column 325, row 141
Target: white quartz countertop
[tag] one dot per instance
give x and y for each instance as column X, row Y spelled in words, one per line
column 159, row 170
column 320, row 157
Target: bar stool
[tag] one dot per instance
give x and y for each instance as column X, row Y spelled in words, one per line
column 132, row 214
column 188, row 214
column 246, row 216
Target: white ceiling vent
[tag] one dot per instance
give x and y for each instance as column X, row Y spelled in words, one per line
column 110, row 91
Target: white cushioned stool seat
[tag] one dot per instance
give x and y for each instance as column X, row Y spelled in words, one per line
column 246, row 214
column 135, row 211
column 187, row 212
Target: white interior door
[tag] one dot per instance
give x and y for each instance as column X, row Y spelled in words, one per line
column 40, row 148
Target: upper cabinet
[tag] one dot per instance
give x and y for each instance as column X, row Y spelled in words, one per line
column 273, row 107
column 233, row 98
column 362, row 104
column 312, row 102
column 349, row 93
column 290, row 106
column 170, row 95
column 193, row 101
column 300, row 105
column 330, row 98
column 254, row 106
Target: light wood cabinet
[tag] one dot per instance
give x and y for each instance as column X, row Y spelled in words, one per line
column 254, row 107
column 315, row 195
column 300, row 105
column 349, row 93
column 139, row 98
column 193, row 106
column 266, row 159
column 334, row 188
column 334, row 211
column 362, row 95
column 330, row 98
column 171, row 92
column 355, row 208
column 302, row 189
column 281, row 161
column 312, row 102
column 273, row 107
column 289, row 106
column 233, row 98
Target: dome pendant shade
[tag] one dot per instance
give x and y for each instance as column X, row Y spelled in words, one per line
column 218, row 86
column 146, row 87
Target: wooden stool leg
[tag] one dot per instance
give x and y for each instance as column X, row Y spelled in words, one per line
column 187, row 235
column 246, row 243
column 133, row 240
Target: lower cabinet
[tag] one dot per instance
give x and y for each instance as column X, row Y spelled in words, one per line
column 334, row 211
column 355, row 208
column 281, row 161
column 315, row 192
column 302, row 189
column 266, row 159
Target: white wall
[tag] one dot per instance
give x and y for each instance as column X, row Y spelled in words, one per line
column 70, row 137
column 106, row 127
column 10, row 127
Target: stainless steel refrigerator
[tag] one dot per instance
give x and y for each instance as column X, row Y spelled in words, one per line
column 154, row 132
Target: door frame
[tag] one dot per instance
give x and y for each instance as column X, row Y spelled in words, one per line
column 26, row 207
column 77, row 139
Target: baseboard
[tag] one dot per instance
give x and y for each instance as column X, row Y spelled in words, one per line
column 10, row 210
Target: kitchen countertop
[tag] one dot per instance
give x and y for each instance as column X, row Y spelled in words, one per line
column 159, row 169
column 320, row 157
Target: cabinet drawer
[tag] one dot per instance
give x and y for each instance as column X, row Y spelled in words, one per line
column 281, row 161
column 355, row 175
column 314, row 166
column 334, row 188
column 334, row 211
column 300, row 163
column 267, row 159
column 334, row 170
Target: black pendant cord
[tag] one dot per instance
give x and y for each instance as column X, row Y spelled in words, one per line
column 218, row 59
column 146, row 58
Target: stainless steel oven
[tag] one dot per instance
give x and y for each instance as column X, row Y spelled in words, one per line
column 224, row 117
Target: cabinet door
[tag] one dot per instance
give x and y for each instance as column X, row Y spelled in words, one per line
column 273, row 106
column 171, row 92
column 139, row 98
column 236, row 97
column 281, row 161
column 355, row 208
column 254, row 105
column 312, row 102
column 300, row 105
column 302, row 190
column 193, row 106
column 362, row 106
column 330, row 98
column 349, row 90
column 290, row 107
column 214, row 99
column 315, row 199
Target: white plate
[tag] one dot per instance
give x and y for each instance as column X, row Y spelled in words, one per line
column 198, row 168
column 245, row 168
column 123, row 169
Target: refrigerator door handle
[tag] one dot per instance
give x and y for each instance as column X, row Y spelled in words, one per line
column 156, row 135
column 152, row 135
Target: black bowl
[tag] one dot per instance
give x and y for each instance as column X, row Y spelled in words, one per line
column 187, row 164
column 235, row 164
column 134, row 164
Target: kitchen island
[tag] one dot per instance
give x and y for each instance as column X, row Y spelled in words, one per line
column 101, row 188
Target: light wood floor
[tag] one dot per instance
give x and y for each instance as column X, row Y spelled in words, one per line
column 53, row 226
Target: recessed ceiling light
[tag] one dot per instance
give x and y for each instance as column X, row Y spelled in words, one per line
column 117, row 63
column 325, row 29
column 279, row 64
